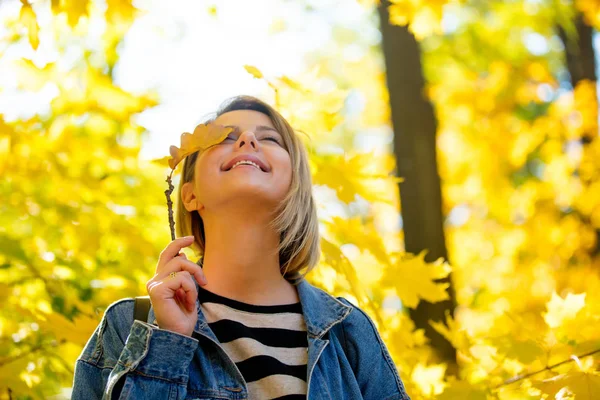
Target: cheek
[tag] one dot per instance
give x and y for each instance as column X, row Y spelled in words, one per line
column 205, row 172
column 285, row 166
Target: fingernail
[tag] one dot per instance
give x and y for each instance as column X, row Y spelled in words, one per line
column 189, row 237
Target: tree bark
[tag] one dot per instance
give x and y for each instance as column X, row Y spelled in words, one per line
column 581, row 63
column 414, row 124
column 579, row 51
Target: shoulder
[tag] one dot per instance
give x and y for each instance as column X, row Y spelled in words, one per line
column 357, row 319
column 119, row 312
column 368, row 353
column 110, row 335
column 118, row 318
column 362, row 337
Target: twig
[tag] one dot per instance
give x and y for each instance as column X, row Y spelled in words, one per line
column 549, row 367
column 170, row 204
column 32, row 350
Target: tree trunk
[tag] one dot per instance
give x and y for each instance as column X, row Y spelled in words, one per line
column 579, row 52
column 414, row 125
column 581, row 63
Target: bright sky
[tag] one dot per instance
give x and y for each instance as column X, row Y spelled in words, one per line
column 194, row 59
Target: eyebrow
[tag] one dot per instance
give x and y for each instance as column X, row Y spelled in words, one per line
column 258, row 128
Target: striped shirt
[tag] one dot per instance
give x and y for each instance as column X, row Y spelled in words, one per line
column 268, row 344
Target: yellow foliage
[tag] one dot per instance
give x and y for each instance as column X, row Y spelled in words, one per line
column 581, row 384
column 423, row 17
column 591, row 11
column 253, row 71
column 561, row 310
column 84, row 219
column 414, row 279
column 29, row 20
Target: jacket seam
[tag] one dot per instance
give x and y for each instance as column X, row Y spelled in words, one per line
column 339, row 320
column 162, row 378
column 329, row 298
column 93, row 364
column 345, row 341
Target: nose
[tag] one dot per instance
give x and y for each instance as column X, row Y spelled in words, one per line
column 247, row 138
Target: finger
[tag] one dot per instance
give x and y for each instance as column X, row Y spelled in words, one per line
column 173, row 249
column 184, row 301
column 168, row 287
column 180, row 295
column 179, row 264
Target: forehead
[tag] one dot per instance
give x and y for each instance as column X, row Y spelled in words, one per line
column 244, row 119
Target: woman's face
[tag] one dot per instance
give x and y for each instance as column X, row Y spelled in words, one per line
column 219, row 181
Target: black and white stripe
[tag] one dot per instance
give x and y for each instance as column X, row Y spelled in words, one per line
column 267, row 343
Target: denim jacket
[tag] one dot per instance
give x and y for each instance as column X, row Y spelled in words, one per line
column 346, row 357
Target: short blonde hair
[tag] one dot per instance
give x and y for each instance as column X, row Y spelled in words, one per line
column 295, row 217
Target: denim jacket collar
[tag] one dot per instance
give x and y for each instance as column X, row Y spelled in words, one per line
column 321, row 311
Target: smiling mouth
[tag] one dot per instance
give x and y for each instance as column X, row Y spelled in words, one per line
column 246, row 165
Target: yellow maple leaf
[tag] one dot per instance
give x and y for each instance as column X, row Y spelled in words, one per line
column 414, row 279
column 452, row 331
column 204, row 136
column 583, row 384
column 75, row 9
column 28, row 18
column 429, row 378
column 77, row 331
column 255, row 72
column 333, row 256
column 560, row 309
column 463, row 390
column 163, row 161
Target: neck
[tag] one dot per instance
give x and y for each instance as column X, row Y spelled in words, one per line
column 241, row 259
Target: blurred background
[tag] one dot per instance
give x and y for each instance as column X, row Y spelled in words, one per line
column 454, row 150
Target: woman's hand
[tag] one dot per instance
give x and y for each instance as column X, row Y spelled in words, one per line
column 172, row 289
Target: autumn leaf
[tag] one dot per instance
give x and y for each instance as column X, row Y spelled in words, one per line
column 163, row 161
column 585, row 385
column 29, row 20
column 414, row 279
column 463, row 390
column 354, row 231
column 77, row 331
column 371, row 176
column 429, row 378
column 338, row 261
column 75, row 9
column 452, row 331
column 253, row 71
column 204, row 136
column 560, row 309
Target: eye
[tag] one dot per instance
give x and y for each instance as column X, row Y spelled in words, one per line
column 274, row 139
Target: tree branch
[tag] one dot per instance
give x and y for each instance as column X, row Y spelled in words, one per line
column 548, row 368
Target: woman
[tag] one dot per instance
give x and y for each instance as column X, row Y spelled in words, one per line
column 242, row 322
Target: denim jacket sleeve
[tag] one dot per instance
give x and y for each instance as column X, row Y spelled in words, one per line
column 122, row 360
column 373, row 367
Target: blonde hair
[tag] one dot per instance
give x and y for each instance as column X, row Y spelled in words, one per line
column 295, row 217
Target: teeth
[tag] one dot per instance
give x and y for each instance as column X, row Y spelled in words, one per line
column 245, row 162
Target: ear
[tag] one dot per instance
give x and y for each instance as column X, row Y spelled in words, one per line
column 188, row 197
